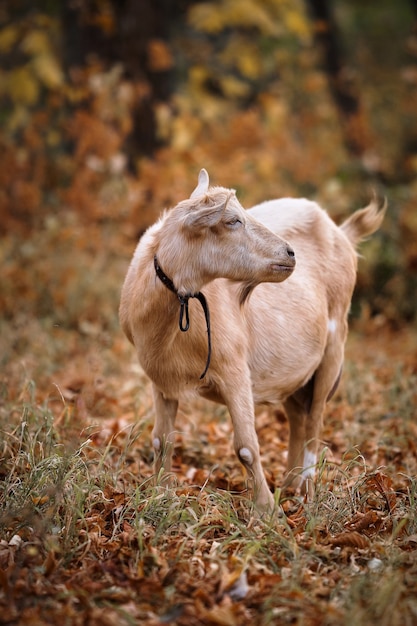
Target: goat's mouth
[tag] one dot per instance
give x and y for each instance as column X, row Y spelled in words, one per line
column 280, row 267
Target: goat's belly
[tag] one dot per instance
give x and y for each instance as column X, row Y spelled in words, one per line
column 270, row 394
column 274, row 385
column 286, row 351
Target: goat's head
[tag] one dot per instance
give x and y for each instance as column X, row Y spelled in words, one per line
column 219, row 239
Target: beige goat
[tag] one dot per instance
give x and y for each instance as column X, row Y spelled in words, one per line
column 284, row 343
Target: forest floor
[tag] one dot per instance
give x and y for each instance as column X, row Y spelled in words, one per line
column 86, row 538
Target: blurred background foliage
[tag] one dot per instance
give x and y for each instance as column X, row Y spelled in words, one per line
column 109, row 108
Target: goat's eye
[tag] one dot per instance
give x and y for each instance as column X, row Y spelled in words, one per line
column 234, row 221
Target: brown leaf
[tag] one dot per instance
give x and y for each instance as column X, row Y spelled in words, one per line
column 409, row 543
column 298, row 520
column 159, row 56
column 383, row 484
column 351, row 539
column 50, row 563
column 221, row 615
column 4, row 581
column 370, row 521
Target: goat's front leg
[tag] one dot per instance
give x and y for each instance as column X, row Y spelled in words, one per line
column 246, row 445
column 163, row 433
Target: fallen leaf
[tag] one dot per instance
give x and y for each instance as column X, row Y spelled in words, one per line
column 351, row 539
column 368, row 521
column 383, row 484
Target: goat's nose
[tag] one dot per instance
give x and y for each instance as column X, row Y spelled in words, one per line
column 290, row 252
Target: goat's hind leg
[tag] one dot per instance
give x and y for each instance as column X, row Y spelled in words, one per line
column 297, row 415
column 163, row 433
column 305, row 414
column 326, row 380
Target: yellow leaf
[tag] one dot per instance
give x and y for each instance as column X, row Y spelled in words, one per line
column 206, row 17
column 198, row 75
column 8, row 37
column 244, row 55
column 22, row 87
column 213, row 17
column 39, row 500
column 250, row 65
column 53, row 137
column 249, row 13
column 297, row 24
column 48, row 70
column 18, row 118
column 183, row 133
column 233, row 88
column 36, row 42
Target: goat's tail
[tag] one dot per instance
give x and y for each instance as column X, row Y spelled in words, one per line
column 364, row 222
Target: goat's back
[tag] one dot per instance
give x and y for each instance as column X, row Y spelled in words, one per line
column 295, row 217
column 326, row 257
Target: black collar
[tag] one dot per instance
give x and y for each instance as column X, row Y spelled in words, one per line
column 184, row 319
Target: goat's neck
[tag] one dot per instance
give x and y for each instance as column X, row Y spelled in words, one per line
column 181, row 271
column 158, row 311
column 184, row 320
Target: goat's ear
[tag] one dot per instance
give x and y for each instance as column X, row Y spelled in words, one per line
column 202, row 216
column 203, row 184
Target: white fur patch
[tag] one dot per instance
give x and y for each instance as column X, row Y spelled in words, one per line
column 331, row 326
column 309, row 464
column 157, row 443
column 246, row 455
column 240, row 588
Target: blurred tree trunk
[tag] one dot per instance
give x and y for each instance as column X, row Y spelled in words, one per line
column 410, row 144
column 341, row 80
column 135, row 34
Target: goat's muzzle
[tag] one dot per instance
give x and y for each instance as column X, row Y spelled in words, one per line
column 286, row 264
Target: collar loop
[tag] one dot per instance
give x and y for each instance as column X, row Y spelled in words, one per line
column 184, row 317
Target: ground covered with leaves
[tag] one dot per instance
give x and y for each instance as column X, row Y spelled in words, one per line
column 87, row 538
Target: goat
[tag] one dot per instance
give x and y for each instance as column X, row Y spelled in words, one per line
column 283, row 343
